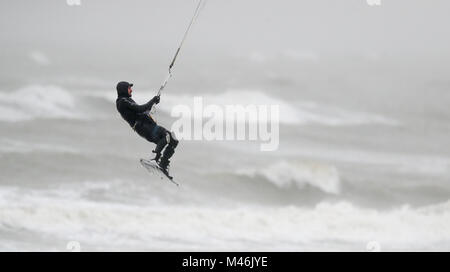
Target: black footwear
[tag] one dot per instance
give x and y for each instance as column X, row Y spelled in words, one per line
column 166, row 173
column 164, row 166
column 157, row 156
column 164, row 163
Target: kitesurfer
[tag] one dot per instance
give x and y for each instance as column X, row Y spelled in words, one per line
column 139, row 118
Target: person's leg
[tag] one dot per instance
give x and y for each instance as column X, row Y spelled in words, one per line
column 144, row 130
column 153, row 134
column 161, row 140
column 172, row 143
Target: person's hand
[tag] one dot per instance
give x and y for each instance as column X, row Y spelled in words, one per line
column 156, row 99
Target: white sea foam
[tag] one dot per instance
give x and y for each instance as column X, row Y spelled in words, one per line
column 112, row 226
column 37, row 101
column 285, row 174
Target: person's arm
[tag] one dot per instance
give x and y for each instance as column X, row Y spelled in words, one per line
column 141, row 108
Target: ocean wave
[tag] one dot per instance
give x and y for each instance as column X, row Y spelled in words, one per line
column 291, row 112
column 14, row 146
column 422, row 164
column 313, row 112
column 35, row 101
column 113, row 226
column 299, row 174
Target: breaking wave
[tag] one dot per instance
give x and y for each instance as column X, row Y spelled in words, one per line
column 340, row 225
column 289, row 174
column 291, row 112
column 36, row 101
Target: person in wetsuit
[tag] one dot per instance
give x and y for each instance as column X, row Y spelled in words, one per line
column 138, row 117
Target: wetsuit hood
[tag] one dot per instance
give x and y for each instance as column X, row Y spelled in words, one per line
column 122, row 89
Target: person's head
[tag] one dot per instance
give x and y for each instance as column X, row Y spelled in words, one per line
column 124, row 89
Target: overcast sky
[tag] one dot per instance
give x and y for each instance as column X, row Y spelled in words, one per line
column 411, row 27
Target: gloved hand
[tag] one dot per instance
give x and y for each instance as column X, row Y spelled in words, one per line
column 156, row 99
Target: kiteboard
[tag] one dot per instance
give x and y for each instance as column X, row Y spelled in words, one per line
column 154, row 168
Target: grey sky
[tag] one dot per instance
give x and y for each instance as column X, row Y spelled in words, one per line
column 338, row 27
